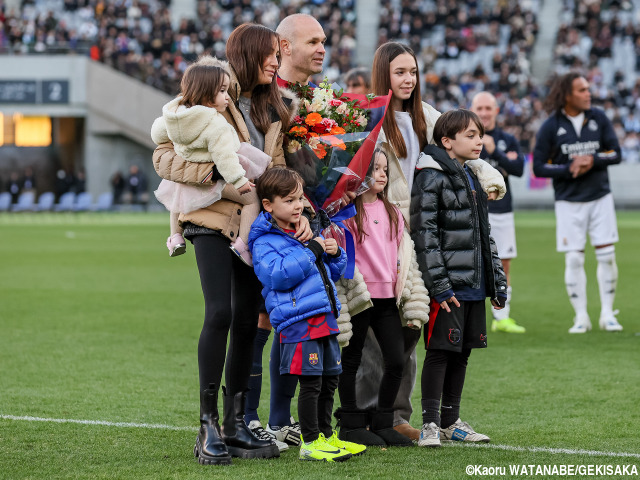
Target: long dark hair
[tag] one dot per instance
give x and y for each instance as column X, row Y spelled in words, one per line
column 561, row 87
column 248, row 47
column 381, row 84
column 361, row 215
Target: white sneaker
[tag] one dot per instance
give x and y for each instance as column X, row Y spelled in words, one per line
column 289, row 434
column 429, row 435
column 256, row 427
column 462, row 432
column 610, row 323
column 581, row 325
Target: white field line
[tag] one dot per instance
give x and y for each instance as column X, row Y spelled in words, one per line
column 565, row 451
column 98, row 422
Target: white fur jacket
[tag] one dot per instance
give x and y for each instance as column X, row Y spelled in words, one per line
column 201, row 135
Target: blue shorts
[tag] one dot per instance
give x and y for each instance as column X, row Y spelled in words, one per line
column 313, row 357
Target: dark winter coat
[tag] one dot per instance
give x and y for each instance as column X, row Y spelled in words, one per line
column 451, row 230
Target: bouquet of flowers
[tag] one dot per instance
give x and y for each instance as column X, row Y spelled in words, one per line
column 331, row 145
column 331, row 142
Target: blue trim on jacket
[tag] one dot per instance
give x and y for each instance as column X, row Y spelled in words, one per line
column 557, row 140
column 296, row 284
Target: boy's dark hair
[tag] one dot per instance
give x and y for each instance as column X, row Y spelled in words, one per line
column 453, row 122
column 278, row 182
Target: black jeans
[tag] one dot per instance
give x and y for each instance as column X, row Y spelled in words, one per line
column 231, row 301
column 384, row 320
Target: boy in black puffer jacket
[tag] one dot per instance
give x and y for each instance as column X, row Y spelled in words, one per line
column 460, row 268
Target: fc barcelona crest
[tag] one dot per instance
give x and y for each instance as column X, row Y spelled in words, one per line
column 313, row 358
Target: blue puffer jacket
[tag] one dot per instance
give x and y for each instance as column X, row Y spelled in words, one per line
column 296, row 286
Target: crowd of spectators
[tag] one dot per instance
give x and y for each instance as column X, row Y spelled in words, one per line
column 140, row 38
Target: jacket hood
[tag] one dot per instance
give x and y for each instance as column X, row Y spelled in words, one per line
column 184, row 125
column 263, row 224
column 436, row 158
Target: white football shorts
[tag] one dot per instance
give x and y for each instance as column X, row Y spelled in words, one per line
column 503, row 231
column 575, row 219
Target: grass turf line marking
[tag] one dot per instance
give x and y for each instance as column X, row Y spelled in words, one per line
column 566, row 451
column 98, row 422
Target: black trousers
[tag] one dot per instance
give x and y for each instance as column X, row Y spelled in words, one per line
column 443, row 377
column 384, row 320
column 231, row 301
column 315, row 404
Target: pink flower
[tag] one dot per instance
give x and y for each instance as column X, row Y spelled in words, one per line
column 298, row 119
column 335, row 102
column 329, row 123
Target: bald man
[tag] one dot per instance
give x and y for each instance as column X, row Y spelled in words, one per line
column 502, row 151
column 302, row 42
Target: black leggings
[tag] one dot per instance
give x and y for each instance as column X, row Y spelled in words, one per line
column 443, row 376
column 315, row 403
column 384, row 320
column 231, row 301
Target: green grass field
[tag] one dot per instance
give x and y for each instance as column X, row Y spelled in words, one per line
column 98, row 324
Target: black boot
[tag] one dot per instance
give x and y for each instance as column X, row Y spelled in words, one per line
column 382, row 425
column 240, row 441
column 209, row 448
column 353, row 428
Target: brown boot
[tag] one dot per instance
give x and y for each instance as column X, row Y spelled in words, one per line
column 408, row 431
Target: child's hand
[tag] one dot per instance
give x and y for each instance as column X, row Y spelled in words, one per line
column 246, row 188
column 499, row 303
column 331, row 246
column 445, row 305
column 493, row 195
column 321, row 241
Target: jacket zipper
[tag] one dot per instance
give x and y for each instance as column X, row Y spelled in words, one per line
column 476, row 228
column 323, row 273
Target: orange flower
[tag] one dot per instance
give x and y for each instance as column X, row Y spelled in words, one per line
column 320, row 151
column 298, row 131
column 313, row 134
column 337, row 131
column 335, row 142
column 313, row 118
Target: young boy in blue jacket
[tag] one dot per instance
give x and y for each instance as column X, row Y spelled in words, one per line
column 460, row 268
column 303, row 306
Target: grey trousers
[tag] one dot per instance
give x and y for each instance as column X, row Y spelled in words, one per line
column 371, row 370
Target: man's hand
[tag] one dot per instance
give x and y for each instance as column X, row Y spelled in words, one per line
column 347, row 198
column 512, row 155
column 493, row 195
column 580, row 165
column 303, row 233
column 445, row 304
column 499, row 303
column 330, row 246
column 489, row 143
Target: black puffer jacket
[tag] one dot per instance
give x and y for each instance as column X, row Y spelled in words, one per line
column 450, row 230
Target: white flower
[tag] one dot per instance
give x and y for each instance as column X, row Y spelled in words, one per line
column 362, row 120
column 293, row 146
column 342, row 109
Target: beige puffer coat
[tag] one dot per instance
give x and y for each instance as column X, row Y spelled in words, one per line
column 223, row 215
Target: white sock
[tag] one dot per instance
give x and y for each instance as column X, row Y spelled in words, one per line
column 607, row 274
column 504, row 313
column 575, row 280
